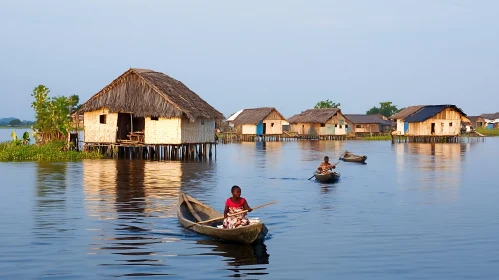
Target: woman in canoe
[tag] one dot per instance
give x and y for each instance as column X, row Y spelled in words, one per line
column 325, row 166
column 233, row 205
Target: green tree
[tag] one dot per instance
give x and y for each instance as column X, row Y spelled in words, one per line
column 327, row 104
column 15, row 122
column 52, row 115
column 386, row 109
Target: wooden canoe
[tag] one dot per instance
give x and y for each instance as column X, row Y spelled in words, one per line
column 245, row 234
column 329, row 177
column 353, row 158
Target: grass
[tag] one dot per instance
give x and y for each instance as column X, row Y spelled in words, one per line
column 53, row 151
column 378, row 137
column 488, row 132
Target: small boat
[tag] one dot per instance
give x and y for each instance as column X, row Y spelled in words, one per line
column 249, row 234
column 329, row 177
column 348, row 157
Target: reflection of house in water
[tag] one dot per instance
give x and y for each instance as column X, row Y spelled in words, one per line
column 333, row 149
column 123, row 186
column 431, row 167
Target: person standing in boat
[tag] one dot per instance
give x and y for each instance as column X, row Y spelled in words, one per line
column 325, row 166
column 233, row 205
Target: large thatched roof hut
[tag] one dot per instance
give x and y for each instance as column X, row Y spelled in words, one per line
column 151, row 108
column 321, row 122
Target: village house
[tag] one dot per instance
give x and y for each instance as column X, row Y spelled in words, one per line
column 359, row 123
column 319, row 122
column 258, row 121
column 435, row 120
column 475, row 122
column 402, row 127
column 149, row 108
column 491, row 120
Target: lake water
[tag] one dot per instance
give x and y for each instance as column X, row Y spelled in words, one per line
column 414, row 211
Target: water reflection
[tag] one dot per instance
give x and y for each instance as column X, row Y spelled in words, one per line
column 440, row 166
column 321, row 148
column 239, row 256
column 50, row 206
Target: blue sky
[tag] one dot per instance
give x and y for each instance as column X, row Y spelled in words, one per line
column 244, row 54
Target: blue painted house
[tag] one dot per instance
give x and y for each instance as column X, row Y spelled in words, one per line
column 491, row 120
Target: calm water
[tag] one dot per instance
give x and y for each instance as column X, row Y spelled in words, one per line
column 415, row 211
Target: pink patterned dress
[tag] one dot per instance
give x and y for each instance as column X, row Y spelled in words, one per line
column 237, row 220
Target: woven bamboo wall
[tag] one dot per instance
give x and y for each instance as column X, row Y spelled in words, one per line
column 96, row 132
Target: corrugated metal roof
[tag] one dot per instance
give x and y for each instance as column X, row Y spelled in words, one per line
column 234, row 116
column 429, row 111
column 406, row 112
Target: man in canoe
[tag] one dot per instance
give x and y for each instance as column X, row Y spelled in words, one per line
column 325, row 166
column 233, row 205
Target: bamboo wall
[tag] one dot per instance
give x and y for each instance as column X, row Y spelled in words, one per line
column 276, row 128
column 400, row 127
column 200, row 131
column 248, row 129
column 442, row 123
column 95, row 132
column 162, row 131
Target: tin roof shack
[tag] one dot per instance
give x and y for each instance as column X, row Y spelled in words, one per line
column 399, row 118
column 436, row 120
column 492, row 120
column 360, row 123
column 319, row 122
column 148, row 107
column 258, row 121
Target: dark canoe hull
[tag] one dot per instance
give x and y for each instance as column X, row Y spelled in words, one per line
column 327, row 178
column 245, row 234
column 354, row 158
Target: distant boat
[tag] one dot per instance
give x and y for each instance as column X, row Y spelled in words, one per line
column 348, row 157
column 329, row 177
column 254, row 232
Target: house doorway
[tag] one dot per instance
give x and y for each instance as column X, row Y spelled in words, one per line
column 128, row 123
column 264, row 128
column 432, row 128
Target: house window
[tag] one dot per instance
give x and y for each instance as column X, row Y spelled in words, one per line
column 335, row 125
column 358, row 126
column 323, row 124
column 154, row 118
column 102, row 119
column 272, row 124
column 340, row 126
column 450, row 124
column 202, row 122
column 346, row 125
column 479, row 124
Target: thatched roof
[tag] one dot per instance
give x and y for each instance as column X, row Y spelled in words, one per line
column 148, row 93
column 254, row 115
column 314, row 115
column 429, row 111
column 406, row 112
column 367, row 119
column 490, row 116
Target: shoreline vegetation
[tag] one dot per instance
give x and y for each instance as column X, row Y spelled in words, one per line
column 51, row 151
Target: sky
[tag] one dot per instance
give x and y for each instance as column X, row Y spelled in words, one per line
column 246, row 54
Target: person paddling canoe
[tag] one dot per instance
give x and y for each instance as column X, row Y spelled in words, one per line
column 233, row 205
column 325, row 166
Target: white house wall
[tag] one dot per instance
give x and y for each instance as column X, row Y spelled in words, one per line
column 248, row 129
column 96, row 132
column 162, row 131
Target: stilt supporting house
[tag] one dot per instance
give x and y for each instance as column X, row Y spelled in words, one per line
column 199, row 151
column 437, row 139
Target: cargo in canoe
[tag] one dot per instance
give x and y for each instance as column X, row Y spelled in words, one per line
column 353, row 158
column 329, row 177
column 254, row 232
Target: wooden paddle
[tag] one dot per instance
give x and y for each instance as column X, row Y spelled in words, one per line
column 230, row 215
column 314, row 174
